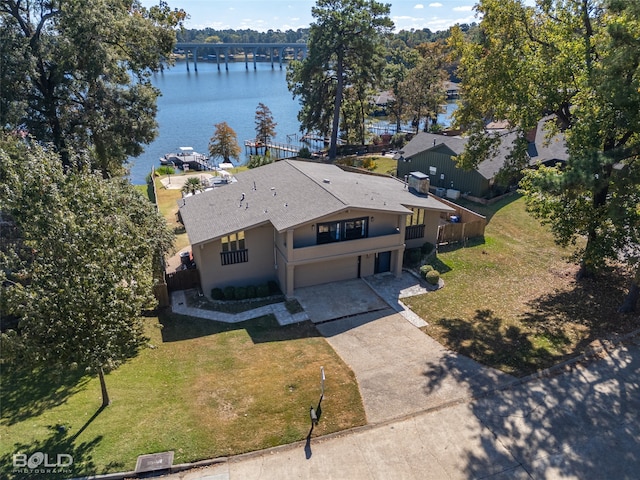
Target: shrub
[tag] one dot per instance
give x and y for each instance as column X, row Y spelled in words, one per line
column 304, row 152
column 217, row 294
column 274, row 289
column 369, row 164
column 425, row 269
column 432, row 277
column 251, row 291
column 229, row 293
column 262, row 290
column 241, row 293
column 412, row 256
column 427, row 248
column 165, row 170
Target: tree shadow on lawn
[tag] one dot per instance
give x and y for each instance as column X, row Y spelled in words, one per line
column 75, row 460
column 488, row 342
column 590, row 308
column 263, row 329
column 26, row 394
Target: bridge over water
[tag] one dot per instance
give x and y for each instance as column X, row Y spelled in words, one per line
column 272, row 50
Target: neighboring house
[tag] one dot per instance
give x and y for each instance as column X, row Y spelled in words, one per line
column 433, row 154
column 303, row 223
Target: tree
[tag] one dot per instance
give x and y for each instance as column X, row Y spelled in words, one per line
column 265, row 126
column 345, row 41
column 80, row 268
column 192, row 185
column 577, row 60
column 400, row 62
column 423, row 90
column 81, row 74
column 224, row 143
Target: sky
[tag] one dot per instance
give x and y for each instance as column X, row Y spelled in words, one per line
column 283, row 15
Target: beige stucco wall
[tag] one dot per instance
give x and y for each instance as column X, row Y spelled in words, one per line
column 431, row 222
column 260, row 267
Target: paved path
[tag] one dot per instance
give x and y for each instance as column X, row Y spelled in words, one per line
column 179, row 305
column 576, row 423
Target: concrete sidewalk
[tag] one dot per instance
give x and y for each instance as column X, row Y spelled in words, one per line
column 577, row 422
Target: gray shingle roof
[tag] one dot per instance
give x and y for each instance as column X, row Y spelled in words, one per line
column 289, row 193
column 547, row 149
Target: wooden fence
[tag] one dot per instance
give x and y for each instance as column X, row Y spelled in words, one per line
column 183, row 280
column 470, row 225
column 460, row 232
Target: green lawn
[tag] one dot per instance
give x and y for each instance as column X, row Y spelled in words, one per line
column 203, row 389
column 512, row 302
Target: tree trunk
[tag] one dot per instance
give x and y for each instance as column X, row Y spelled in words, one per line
column 103, row 386
column 333, row 147
column 631, row 300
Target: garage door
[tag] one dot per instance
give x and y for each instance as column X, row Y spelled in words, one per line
column 325, row 272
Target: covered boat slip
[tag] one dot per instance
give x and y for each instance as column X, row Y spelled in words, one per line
column 187, row 159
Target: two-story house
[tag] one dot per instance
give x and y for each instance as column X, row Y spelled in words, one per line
column 304, row 223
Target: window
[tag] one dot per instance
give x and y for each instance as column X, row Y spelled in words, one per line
column 233, row 249
column 416, row 218
column 233, row 242
column 343, row 230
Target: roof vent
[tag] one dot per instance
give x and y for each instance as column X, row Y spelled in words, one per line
column 326, row 180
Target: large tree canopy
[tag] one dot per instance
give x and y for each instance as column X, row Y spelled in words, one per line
column 577, row 60
column 75, row 74
column 345, row 48
column 76, row 264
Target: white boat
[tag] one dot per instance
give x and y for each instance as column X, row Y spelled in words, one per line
column 187, row 159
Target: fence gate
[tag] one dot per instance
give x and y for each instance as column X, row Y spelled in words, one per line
column 183, row 280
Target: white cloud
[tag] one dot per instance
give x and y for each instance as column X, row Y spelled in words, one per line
column 419, row 6
column 435, row 5
column 466, row 8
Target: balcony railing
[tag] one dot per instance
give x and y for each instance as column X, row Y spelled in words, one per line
column 352, row 247
column 413, row 232
column 234, row 256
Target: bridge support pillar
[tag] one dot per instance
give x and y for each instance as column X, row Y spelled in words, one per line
column 195, row 59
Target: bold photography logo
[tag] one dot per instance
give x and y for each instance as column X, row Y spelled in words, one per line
column 43, row 462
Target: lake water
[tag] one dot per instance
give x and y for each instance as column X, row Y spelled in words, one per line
column 191, row 103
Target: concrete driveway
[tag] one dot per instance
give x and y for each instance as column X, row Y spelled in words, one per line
column 400, row 370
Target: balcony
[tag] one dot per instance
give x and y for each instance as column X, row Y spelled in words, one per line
column 413, row 232
column 234, row 256
column 347, row 248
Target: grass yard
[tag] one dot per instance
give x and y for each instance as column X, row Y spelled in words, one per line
column 512, row 301
column 203, row 389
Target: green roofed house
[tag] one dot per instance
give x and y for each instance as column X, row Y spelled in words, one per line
column 434, row 155
column 304, row 223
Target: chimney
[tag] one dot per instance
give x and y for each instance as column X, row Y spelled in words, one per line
column 419, row 183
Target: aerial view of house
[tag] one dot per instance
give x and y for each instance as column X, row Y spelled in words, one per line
column 303, row 223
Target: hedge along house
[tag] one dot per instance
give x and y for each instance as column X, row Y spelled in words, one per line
column 303, row 224
column 434, row 155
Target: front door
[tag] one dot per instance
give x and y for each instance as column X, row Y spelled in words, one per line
column 383, row 262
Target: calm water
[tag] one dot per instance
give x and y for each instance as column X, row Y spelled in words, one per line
column 191, row 103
